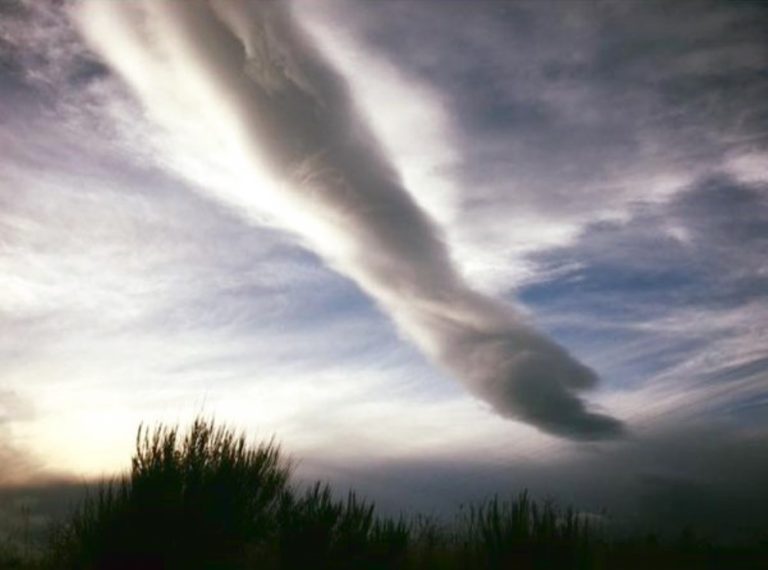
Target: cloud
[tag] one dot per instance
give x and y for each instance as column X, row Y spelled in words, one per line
column 671, row 300
column 706, row 476
column 564, row 113
column 623, row 169
column 246, row 79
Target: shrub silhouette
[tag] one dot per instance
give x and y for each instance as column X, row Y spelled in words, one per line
column 207, row 500
column 204, row 500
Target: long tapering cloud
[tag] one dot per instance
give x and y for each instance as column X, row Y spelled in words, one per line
column 244, row 75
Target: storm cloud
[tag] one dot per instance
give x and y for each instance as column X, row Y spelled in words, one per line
column 266, row 96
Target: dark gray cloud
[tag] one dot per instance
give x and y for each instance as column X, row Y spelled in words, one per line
column 295, row 110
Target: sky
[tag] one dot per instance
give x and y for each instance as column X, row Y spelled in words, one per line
column 440, row 250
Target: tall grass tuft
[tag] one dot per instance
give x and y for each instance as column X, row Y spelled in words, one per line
column 204, row 499
column 522, row 533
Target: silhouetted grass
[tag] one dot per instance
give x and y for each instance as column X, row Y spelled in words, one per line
column 524, row 533
column 205, row 499
column 11, row 558
column 317, row 531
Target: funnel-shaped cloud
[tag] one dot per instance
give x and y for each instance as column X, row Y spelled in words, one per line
column 262, row 92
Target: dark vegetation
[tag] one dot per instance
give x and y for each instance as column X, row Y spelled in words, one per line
column 205, row 499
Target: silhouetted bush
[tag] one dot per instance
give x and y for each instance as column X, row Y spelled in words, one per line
column 204, row 500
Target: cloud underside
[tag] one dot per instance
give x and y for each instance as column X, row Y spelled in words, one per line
column 265, row 94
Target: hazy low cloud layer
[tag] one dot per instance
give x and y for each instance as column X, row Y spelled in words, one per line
column 288, row 112
column 706, row 477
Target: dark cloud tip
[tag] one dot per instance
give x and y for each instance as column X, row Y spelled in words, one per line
column 538, row 386
column 581, row 425
column 595, row 427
